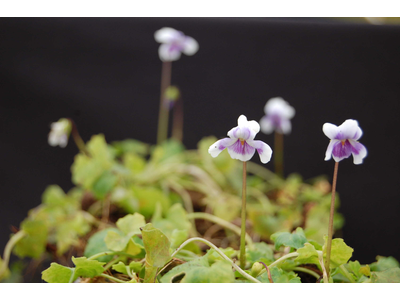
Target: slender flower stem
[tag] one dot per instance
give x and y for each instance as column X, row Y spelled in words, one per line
column 163, row 116
column 177, row 124
column 7, row 250
column 330, row 227
column 221, row 222
column 222, row 254
column 269, row 272
column 243, row 229
column 278, row 154
column 77, row 138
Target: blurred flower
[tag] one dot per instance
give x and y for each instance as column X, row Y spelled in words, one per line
column 171, row 95
column 173, row 43
column 59, row 133
column 277, row 116
column 344, row 141
column 241, row 144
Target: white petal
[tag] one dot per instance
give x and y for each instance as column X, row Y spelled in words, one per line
column 216, row 148
column 190, row 46
column 286, row 126
column 266, row 125
column 165, row 35
column 53, row 140
column 348, row 129
column 263, row 149
column 63, row 141
column 328, row 153
column 166, row 54
column 359, row 152
column 280, row 107
column 241, row 152
column 242, row 120
column 330, row 130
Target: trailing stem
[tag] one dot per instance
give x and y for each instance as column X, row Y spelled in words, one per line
column 278, row 154
column 235, row 266
column 163, row 115
column 7, row 250
column 330, row 226
column 243, row 229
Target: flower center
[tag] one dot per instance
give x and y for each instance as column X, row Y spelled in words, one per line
column 343, row 142
column 242, row 141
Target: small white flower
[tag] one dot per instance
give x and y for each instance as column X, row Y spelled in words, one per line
column 59, row 133
column 241, row 144
column 173, row 43
column 277, row 116
column 344, row 141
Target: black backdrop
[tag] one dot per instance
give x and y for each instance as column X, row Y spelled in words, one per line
column 105, row 74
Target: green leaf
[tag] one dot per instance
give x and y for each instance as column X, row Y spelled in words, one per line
column 260, row 252
column 220, row 272
column 33, row 244
column 116, row 240
column 178, row 236
column 85, row 171
column 280, row 276
column 214, row 256
column 96, row 244
column 387, row 276
column 166, row 151
column 384, row 263
column 340, row 253
column 156, row 245
column 87, row 268
column 57, row 274
column 120, row 267
column 148, row 198
column 53, row 196
column 307, row 255
column 104, row 184
column 130, row 224
column 295, row 240
column 131, row 146
column 184, row 268
column 134, row 163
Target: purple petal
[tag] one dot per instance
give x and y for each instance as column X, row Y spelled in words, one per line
column 241, row 150
column 216, row 148
column 341, row 150
column 328, row 153
column 264, row 151
column 359, row 152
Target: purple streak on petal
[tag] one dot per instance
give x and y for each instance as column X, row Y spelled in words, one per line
column 216, row 148
column 359, row 152
column 264, row 151
column 242, row 152
column 339, row 136
column 341, row 151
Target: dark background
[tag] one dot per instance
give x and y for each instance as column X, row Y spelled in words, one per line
column 105, row 74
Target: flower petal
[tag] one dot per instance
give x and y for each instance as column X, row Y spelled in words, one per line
column 216, row 148
column 165, row 35
column 190, row 46
column 341, row 150
column 359, row 152
column 263, row 149
column 330, row 130
column 168, row 53
column 285, row 126
column 241, row 151
column 279, row 106
column 328, row 153
column 266, row 125
column 348, row 130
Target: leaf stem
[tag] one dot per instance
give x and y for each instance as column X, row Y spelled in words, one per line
column 7, row 250
column 77, row 138
column 95, row 256
column 330, row 226
column 221, row 222
column 243, row 217
column 113, row 278
column 163, row 116
column 347, row 274
column 308, row 271
column 237, row 268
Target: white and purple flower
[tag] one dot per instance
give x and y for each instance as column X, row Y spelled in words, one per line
column 277, row 116
column 173, row 43
column 59, row 133
column 241, row 144
column 344, row 141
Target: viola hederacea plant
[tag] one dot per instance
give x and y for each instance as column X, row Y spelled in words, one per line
column 343, row 143
column 277, row 117
column 242, row 146
column 130, row 217
column 173, row 44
